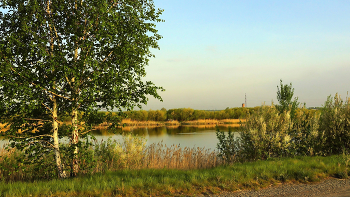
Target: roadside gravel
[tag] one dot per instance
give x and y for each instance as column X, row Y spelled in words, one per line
column 331, row 187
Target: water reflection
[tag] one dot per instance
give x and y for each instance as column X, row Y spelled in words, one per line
column 164, row 130
column 185, row 136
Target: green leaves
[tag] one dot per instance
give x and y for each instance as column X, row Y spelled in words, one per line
column 284, row 96
column 227, row 146
column 80, row 55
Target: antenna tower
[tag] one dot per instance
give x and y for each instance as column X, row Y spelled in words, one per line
column 245, row 100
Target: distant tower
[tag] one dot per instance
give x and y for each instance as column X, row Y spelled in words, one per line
column 245, row 103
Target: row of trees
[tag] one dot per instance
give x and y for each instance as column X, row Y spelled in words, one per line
column 186, row 114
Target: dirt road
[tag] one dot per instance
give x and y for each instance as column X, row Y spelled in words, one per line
column 330, row 188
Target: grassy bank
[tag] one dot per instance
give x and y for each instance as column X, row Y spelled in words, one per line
column 172, row 182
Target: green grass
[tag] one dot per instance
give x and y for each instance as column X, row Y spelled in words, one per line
column 167, row 182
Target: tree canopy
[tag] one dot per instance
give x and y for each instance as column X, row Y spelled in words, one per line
column 284, row 96
column 70, row 57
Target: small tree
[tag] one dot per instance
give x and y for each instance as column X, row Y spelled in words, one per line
column 284, row 96
column 75, row 57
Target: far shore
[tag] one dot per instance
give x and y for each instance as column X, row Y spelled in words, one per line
column 208, row 123
column 175, row 123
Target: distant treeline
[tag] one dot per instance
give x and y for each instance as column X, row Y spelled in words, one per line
column 187, row 114
column 182, row 114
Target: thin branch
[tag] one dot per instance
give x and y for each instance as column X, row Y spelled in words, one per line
column 70, row 84
column 37, row 119
column 50, row 96
column 87, row 131
column 47, row 107
column 52, row 92
column 44, row 141
column 30, row 137
column 49, row 144
column 108, row 56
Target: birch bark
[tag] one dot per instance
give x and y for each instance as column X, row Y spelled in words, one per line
column 60, row 170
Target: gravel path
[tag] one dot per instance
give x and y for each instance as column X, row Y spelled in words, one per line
column 330, row 188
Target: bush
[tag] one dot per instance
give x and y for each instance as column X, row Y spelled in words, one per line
column 266, row 134
column 335, row 125
column 306, row 138
column 228, row 147
column 270, row 133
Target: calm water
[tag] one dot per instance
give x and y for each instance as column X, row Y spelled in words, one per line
column 185, row 136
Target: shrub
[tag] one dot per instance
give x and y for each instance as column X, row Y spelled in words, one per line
column 284, row 96
column 306, row 138
column 266, row 134
column 130, row 151
column 335, row 125
column 228, row 147
column 270, row 133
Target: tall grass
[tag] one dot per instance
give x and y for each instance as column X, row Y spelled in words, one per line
column 111, row 155
column 171, row 182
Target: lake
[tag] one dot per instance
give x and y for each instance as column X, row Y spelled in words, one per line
column 202, row 136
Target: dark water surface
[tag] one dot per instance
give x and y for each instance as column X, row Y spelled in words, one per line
column 185, row 136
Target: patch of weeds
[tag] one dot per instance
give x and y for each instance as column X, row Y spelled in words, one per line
column 341, row 175
column 282, row 177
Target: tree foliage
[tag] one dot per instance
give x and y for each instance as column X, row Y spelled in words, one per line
column 72, row 57
column 284, row 96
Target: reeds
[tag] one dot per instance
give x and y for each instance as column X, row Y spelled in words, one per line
column 129, row 122
column 132, row 153
column 129, row 153
column 175, row 157
column 213, row 122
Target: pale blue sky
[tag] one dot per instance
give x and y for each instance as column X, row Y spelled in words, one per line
column 213, row 52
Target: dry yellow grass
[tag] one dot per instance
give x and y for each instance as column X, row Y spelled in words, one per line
column 213, row 122
column 129, row 122
column 201, row 122
column 172, row 123
column 232, row 121
column 175, row 157
column 159, row 156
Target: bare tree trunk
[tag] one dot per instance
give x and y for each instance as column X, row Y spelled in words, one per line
column 60, row 170
column 74, row 142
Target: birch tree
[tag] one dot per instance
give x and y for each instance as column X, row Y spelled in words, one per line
column 71, row 57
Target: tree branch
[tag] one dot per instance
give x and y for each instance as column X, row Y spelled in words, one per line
column 37, row 119
column 30, row 137
column 87, row 131
column 47, row 107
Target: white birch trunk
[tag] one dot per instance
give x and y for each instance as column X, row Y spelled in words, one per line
column 60, row 170
column 74, row 141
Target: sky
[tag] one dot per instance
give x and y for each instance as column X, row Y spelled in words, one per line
column 213, row 53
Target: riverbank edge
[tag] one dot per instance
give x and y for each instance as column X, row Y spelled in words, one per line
column 199, row 122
